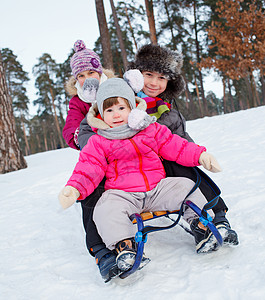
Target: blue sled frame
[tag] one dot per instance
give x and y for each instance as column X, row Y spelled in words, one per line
column 141, row 235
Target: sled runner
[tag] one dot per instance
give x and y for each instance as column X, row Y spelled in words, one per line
column 205, row 219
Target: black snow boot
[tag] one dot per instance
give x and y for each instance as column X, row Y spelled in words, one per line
column 127, row 250
column 205, row 239
column 228, row 234
column 106, row 261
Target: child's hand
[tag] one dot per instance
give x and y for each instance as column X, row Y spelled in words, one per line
column 209, row 162
column 68, row 196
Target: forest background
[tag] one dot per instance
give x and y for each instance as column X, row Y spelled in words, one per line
column 227, row 37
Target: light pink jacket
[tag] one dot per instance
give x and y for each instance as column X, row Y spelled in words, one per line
column 134, row 164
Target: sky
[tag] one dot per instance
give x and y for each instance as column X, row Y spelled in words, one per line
column 30, row 28
column 42, row 248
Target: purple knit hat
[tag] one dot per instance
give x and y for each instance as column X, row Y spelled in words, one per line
column 84, row 59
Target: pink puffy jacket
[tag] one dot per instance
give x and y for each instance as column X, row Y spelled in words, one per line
column 134, row 164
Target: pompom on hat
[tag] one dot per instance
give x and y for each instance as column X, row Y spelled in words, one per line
column 84, row 59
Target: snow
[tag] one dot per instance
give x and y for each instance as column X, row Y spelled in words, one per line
column 42, row 248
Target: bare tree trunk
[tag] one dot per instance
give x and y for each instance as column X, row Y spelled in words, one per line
column 249, row 96
column 198, row 95
column 241, row 104
column 54, row 112
column 119, row 66
column 224, row 97
column 56, row 120
column 191, row 106
column 131, row 28
column 174, row 46
column 231, row 97
column 239, row 96
column 11, row 157
column 38, row 141
column 119, row 34
column 255, row 92
column 104, row 35
column 151, row 20
column 205, row 108
column 263, row 88
column 45, row 143
column 44, row 137
column 25, row 137
column 52, row 141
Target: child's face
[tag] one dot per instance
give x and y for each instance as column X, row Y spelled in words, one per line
column 117, row 114
column 154, row 83
column 81, row 77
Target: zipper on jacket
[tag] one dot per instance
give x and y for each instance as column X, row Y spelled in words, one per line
column 140, row 164
column 116, row 170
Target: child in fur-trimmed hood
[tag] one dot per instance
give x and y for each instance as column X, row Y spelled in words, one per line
column 168, row 63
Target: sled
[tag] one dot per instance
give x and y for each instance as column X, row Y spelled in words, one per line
column 143, row 231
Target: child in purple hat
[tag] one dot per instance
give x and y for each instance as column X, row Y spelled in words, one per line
column 85, row 65
column 85, row 60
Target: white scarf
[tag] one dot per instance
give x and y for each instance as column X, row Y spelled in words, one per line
column 92, row 98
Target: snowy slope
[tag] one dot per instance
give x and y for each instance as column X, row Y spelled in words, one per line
column 42, row 249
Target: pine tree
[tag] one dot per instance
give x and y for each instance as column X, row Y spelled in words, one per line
column 132, row 16
column 63, row 75
column 16, row 79
column 131, row 31
column 151, row 20
column 119, row 35
column 11, row 157
column 104, row 35
column 49, row 95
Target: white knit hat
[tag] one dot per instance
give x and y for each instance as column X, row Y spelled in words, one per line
column 114, row 87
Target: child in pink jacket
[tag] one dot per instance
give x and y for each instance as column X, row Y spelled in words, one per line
column 127, row 150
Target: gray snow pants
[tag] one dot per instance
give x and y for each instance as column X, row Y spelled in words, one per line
column 112, row 211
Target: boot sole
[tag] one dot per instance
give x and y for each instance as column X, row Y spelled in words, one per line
column 113, row 273
column 210, row 244
column 126, row 259
column 229, row 236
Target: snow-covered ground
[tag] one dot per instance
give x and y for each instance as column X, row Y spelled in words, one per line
column 42, row 249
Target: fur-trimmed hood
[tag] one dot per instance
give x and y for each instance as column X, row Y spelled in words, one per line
column 70, row 84
column 162, row 60
column 98, row 123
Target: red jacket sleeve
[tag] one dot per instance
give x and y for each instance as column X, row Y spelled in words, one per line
column 76, row 113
